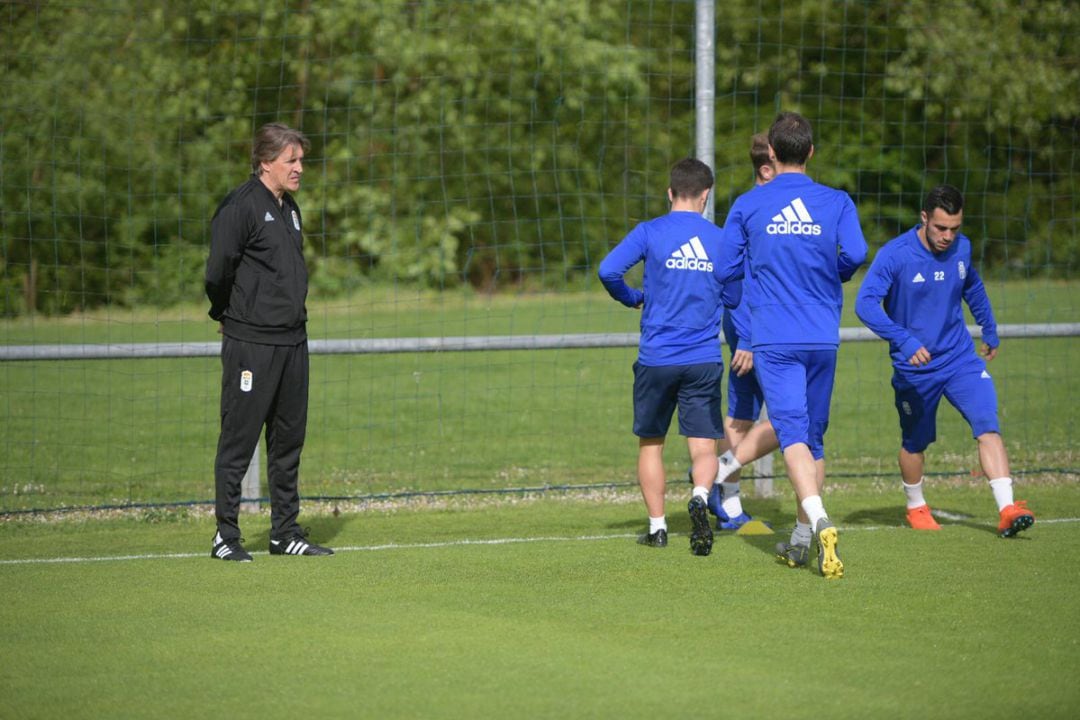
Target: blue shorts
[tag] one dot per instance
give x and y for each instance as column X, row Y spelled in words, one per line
column 695, row 389
column 745, row 396
column 798, row 387
column 967, row 385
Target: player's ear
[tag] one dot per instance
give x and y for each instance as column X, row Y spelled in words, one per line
column 923, row 217
column 811, row 153
column 670, row 196
column 703, row 199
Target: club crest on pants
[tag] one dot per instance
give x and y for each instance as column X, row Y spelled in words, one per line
column 247, row 378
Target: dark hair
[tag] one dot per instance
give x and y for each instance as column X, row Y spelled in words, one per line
column 271, row 140
column 690, row 178
column 945, row 197
column 759, row 152
column 791, row 138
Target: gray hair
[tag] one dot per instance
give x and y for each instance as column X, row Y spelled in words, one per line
column 271, row 140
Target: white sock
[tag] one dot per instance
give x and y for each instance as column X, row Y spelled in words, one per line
column 914, row 494
column 727, row 465
column 1003, row 492
column 814, row 509
column 732, row 505
column 802, row 534
column 657, row 523
column 701, row 492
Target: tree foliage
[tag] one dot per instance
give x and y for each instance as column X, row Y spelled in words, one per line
column 494, row 143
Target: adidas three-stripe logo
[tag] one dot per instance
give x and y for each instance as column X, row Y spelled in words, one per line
column 295, row 547
column 691, row 256
column 223, row 551
column 793, row 219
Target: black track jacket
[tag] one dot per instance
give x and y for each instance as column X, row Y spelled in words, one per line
column 256, row 277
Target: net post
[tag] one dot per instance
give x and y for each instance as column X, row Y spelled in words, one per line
column 763, row 466
column 250, row 485
column 705, row 89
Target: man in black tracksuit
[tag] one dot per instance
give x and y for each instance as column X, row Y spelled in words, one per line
column 256, row 280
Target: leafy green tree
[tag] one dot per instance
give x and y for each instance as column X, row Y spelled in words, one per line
column 505, row 144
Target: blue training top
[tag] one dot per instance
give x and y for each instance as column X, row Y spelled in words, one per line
column 737, row 322
column 911, row 297
column 803, row 240
column 681, row 291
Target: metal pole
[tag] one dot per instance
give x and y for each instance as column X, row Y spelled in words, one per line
column 763, row 467
column 705, row 93
column 250, row 491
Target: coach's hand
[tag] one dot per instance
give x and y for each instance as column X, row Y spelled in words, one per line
column 921, row 357
column 742, row 362
column 988, row 352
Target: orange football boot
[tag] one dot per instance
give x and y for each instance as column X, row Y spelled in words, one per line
column 1014, row 518
column 920, row 518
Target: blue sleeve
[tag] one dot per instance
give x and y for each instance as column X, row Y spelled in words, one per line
column 868, row 306
column 852, row 242
column 731, row 294
column 729, row 264
column 613, row 268
column 976, row 298
column 740, row 318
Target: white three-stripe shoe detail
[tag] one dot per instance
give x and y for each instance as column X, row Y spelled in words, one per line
column 297, row 546
column 229, row 549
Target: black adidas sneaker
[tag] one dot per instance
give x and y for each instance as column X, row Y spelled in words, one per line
column 297, row 544
column 229, row 549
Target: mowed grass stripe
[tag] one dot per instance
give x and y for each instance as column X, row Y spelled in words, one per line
column 455, row 543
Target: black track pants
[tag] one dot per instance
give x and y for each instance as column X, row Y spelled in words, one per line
column 261, row 385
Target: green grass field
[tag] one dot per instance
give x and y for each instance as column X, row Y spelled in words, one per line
column 537, row 607
column 142, row 431
column 515, row 605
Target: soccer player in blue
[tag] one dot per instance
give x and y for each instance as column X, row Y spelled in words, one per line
column 803, row 240
column 912, row 298
column 679, row 362
column 746, row 439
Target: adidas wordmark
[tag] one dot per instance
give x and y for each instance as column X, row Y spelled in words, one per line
column 691, row 256
column 794, row 219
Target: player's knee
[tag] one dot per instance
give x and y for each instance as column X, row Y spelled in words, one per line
column 914, row 447
column 986, row 430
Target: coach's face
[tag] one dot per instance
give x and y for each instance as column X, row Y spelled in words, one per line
column 283, row 172
column 940, row 229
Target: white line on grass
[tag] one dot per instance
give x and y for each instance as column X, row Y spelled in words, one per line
column 423, row 546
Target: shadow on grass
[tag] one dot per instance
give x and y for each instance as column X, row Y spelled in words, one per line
column 895, row 516
column 892, row 516
column 321, row 529
column 957, row 517
column 633, row 524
